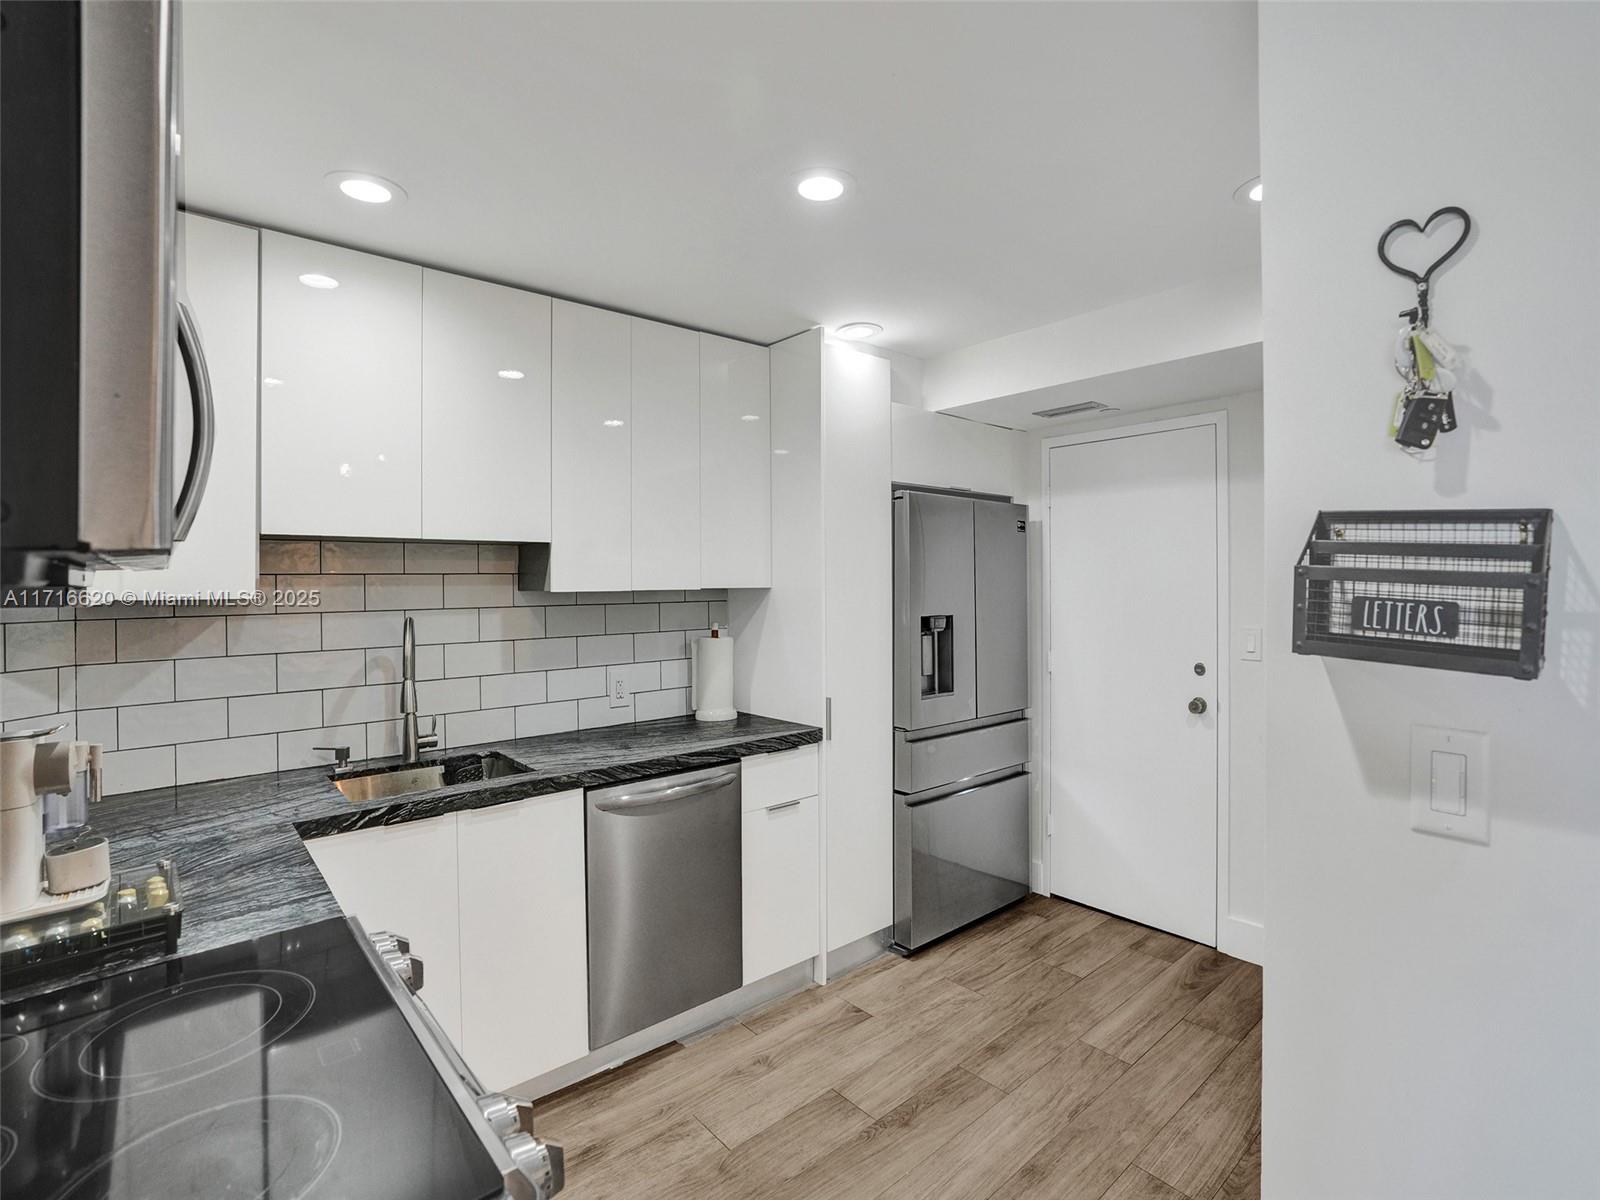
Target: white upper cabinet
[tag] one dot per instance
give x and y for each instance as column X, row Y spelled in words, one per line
column 590, row 468
column 219, row 554
column 666, row 457
column 736, row 450
column 485, row 411
column 341, row 400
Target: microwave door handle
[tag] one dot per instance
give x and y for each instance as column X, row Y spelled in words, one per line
column 205, row 423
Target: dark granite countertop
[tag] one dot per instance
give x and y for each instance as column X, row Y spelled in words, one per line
column 237, row 843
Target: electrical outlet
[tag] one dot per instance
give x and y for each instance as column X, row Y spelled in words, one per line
column 617, row 687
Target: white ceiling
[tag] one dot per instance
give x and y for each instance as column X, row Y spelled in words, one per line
column 1016, row 163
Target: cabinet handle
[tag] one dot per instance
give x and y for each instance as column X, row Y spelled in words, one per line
column 784, row 805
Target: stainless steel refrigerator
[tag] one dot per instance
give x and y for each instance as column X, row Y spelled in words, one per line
column 960, row 696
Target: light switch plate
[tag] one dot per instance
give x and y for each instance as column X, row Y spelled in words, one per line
column 1450, row 783
column 1250, row 644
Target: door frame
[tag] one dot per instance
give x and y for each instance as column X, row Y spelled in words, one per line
column 1218, row 421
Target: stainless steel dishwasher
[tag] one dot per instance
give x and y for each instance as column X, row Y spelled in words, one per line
column 665, row 901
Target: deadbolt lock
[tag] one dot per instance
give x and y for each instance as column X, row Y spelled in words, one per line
column 1197, row 706
column 1199, row 668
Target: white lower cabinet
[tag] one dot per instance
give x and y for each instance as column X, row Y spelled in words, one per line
column 782, row 875
column 403, row 879
column 524, row 938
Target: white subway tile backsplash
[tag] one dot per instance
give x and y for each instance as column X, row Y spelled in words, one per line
column 502, row 624
column 302, row 747
column 98, row 725
column 441, row 557
column 244, row 675
column 650, row 646
column 383, row 666
column 113, row 685
column 97, row 641
column 497, row 559
column 321, row 593
column 171, row 637
column 607, row 648
column 279, row 555
column 207, row 691
column 535, row 720
column 547, row 654
column 404, row 591
column 579, row 619
column 374, row 702
column 354, row 631
column 35, row 644
column 652, row 706
column 321, row 669
column 362, row 558
column 478, row 658
column 447, row 695
column 501, row 691
column 688, row 615
column 707, row 594
column 166, row 724
column 598, row 713
column 478, row 591
column 137, row 770
column 633, row 618
column 474, row 728
column 277, row 713
column 575, row 685
column 28, row 693
column 445, row 625
column 269, row 635
column 227, row 758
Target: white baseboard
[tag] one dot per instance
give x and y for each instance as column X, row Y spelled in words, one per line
column 1242, row 939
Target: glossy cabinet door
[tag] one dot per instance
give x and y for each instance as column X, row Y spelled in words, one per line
column 402, row 879
column 666, row 457
column 782, row 871
column 485, row 411
column 736, row 450
column 218, row 557
column 341, row 400
column 524, row 938
column 591, row 508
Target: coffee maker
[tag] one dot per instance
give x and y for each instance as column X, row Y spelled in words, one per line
column 49, row 857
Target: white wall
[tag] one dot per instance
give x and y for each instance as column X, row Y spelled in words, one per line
column 1244, row 808
column 1433, row 1006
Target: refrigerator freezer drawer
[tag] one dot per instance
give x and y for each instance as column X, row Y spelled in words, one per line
column 959, row 855
column 921, row 763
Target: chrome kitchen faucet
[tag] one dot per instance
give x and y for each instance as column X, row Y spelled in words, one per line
column 415, row 743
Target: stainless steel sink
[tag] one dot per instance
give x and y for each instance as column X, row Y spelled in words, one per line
column 361, row 787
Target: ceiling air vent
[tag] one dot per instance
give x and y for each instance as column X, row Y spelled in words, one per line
column 1074, row 410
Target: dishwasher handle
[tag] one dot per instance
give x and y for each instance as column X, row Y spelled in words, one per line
column 666, row 792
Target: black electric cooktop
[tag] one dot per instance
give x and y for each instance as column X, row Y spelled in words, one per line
column 279, row 1068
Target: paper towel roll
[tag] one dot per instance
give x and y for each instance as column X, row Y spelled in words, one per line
column 713, row 679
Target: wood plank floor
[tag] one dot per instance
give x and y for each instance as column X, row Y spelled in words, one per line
column 1052, row 1052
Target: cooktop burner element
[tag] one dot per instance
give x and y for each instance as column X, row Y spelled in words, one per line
column 267, row 1146
column 174, row 1036
column 278, row 1069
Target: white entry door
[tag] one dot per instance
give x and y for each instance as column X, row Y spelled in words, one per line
column 1133, row 609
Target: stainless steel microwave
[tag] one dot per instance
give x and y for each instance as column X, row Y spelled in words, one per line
column 92, row 324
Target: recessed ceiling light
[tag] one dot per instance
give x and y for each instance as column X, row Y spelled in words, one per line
column 369, row 189
column 822, row 184
column 312, row 280
column 858, row 331
column 1248, row 192
column 749, row 417
column 510, row 373
column 611, row 423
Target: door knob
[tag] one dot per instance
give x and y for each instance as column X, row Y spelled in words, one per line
column 1197, row 706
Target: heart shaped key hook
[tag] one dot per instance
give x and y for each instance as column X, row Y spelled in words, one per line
column 1449, row 210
